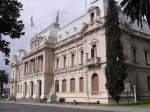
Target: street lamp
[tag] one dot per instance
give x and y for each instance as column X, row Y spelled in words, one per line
column 87, row 77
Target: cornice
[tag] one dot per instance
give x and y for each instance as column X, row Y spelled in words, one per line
column 81, row 34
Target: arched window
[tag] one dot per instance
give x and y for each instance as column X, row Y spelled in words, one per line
column 95, row 83
column 81, row 84
column 72, row 85
column 64, row 85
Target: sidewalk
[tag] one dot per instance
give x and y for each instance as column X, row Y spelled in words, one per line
column 106, row 108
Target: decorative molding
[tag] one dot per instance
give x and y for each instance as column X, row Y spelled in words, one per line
column 94, row 42
column 72, row 52
column 60, row 36
column 81, row 48
column 57, row 57
column 146, row 49
column 134, row 46
column 64, row 54
column 67, row 32
column 75, row 29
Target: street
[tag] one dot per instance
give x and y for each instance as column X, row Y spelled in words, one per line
column 11, row 107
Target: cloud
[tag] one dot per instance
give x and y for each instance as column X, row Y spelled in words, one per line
column 44, row 13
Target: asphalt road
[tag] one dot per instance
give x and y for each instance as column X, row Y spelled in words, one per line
column 9, row 107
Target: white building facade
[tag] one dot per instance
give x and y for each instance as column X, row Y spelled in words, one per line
column 57, row 56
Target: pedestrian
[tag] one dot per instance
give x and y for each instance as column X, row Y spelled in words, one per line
column 15, row 99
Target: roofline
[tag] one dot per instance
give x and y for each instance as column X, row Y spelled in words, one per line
column 73, row 21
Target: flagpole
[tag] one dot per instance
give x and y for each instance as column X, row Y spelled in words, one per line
column 35, row 28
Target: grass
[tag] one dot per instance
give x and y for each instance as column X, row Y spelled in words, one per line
column 141, row 104
column 132, row 104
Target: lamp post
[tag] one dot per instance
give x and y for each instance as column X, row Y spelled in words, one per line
column 87, row 78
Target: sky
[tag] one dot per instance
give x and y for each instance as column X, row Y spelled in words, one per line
column 44, row 14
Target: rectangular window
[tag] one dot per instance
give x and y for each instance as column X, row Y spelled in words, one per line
column 41, row 63
column 64, row 61
column 57, row 63
column 134, row 55
column 148, row 81
column 72, row 85
column 146, row 57
column 73, row 59
column 93, row 51
column 92, row 17
column 81, row 84
column 57, row 86
column 64, row 86
column 82, row 54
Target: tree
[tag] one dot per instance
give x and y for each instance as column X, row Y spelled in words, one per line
column 137, row 9
column 115, row 70
column 9, row 24
column 4, row 79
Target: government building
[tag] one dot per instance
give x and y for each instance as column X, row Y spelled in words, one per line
column 73, row 59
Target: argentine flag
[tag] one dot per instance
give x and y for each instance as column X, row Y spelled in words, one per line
column 32, row 21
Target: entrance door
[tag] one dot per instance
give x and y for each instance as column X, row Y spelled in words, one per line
column 31, row 89
column 40, row 88
column 25, row 89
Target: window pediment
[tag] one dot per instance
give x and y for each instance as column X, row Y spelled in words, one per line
column 81, row 48
column 94, row 42
column 64, row 54
column 57, row 57
column 72, row 52
column 146, row 49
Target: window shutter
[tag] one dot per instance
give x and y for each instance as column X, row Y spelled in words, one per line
column 81, row 84
column 95, row 84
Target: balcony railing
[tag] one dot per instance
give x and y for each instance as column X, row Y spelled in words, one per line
column 81, row 65
column 57, row 71
column 94, row 60
column 63, row 70
column 12, row 80
column 73, row 68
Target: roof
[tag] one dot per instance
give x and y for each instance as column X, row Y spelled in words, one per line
column 134, row 26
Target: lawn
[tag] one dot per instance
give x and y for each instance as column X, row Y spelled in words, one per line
column 131, row 104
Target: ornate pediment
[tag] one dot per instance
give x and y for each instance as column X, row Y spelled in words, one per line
column 92, row 8
column 84, row 28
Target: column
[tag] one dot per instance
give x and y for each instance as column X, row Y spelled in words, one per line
column 68, row 57
column 35, row 64
column 76, row 59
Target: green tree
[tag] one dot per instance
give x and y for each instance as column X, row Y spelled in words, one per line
column 137, row 9
column 9, row 24
column 4, row 79
column 115, row 70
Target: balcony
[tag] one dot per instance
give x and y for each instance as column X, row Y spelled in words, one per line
column 73, row 68
column 81, row 65
column 63, row 70
column 57, row 71
column 93, row 61
column 12, row 80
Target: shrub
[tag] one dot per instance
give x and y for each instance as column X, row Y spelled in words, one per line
column 98, row 102
column 61, row 100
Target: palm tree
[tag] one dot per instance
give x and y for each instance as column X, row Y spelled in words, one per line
column 4, row 79
column 137, row 9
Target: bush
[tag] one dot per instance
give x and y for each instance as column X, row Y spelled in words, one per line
column 61, row 100
column 98, row 102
